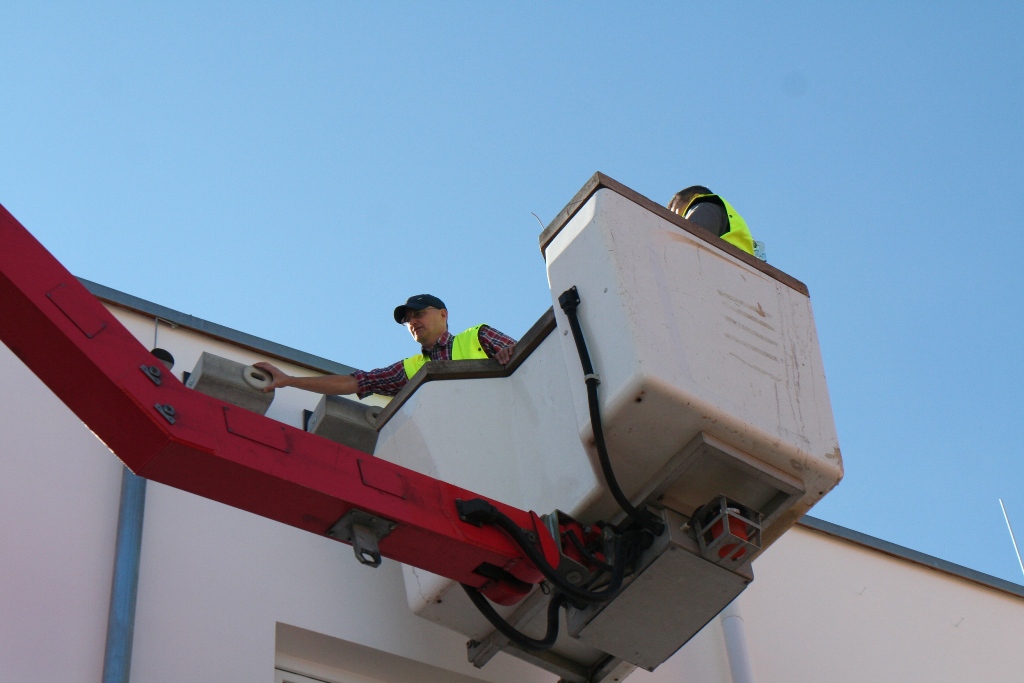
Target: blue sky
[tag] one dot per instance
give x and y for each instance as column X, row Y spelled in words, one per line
column 294, row 170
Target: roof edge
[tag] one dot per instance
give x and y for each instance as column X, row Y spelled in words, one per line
column 215, row 331
column 902, row 553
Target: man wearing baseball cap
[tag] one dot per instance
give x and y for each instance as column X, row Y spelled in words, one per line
column 426, row 316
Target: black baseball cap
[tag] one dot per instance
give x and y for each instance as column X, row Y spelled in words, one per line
column 418, row 303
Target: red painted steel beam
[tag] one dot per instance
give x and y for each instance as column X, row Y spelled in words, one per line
column 93, row 364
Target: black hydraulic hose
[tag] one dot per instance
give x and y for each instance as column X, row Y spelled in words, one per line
column 586, row 553
column 569, row 300
column 537, row 558
column 479, row 512
column 506, row 629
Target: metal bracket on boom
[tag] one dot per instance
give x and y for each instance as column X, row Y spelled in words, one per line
column 167, row 410
column 481, row 652
column 364, row 532
column 153, row 373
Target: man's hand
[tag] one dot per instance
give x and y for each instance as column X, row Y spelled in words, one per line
column 504, row 354
column 278, row 376
column 326, row 384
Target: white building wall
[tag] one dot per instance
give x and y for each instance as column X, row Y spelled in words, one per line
column 226, row 596
column 59, row 489
column 822, row 608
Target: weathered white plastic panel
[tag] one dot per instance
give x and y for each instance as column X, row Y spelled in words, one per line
column 505, row 438
column 686, row 339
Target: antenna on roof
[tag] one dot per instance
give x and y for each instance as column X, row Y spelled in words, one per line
column 1012, row 538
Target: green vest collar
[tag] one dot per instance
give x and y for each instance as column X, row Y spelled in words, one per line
column 465, row 346
column 739, row 234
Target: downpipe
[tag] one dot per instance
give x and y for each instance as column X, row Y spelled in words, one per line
column 124, row 589
column 736, row 649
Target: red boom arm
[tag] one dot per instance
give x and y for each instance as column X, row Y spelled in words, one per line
column 95, row 366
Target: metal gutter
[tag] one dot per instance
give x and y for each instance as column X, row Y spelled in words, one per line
column 901, row 553
column 219, row 332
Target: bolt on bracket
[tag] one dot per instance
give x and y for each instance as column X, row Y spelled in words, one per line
column 152, row 372
column 167, row 410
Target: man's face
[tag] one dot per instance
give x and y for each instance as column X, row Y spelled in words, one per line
column 427, row 325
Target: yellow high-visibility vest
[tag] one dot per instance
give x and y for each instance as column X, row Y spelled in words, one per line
column 465, row 347
column 739, row 234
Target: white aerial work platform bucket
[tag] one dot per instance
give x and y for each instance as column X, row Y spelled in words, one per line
column 711, row 388
column 688, row 340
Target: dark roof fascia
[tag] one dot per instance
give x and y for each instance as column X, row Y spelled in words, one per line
column 215, row 331
column 902, row 553
column 599, row 181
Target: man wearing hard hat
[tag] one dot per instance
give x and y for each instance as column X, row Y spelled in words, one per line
column 700, row 205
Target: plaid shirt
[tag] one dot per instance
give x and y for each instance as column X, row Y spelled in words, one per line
column 390, row 380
